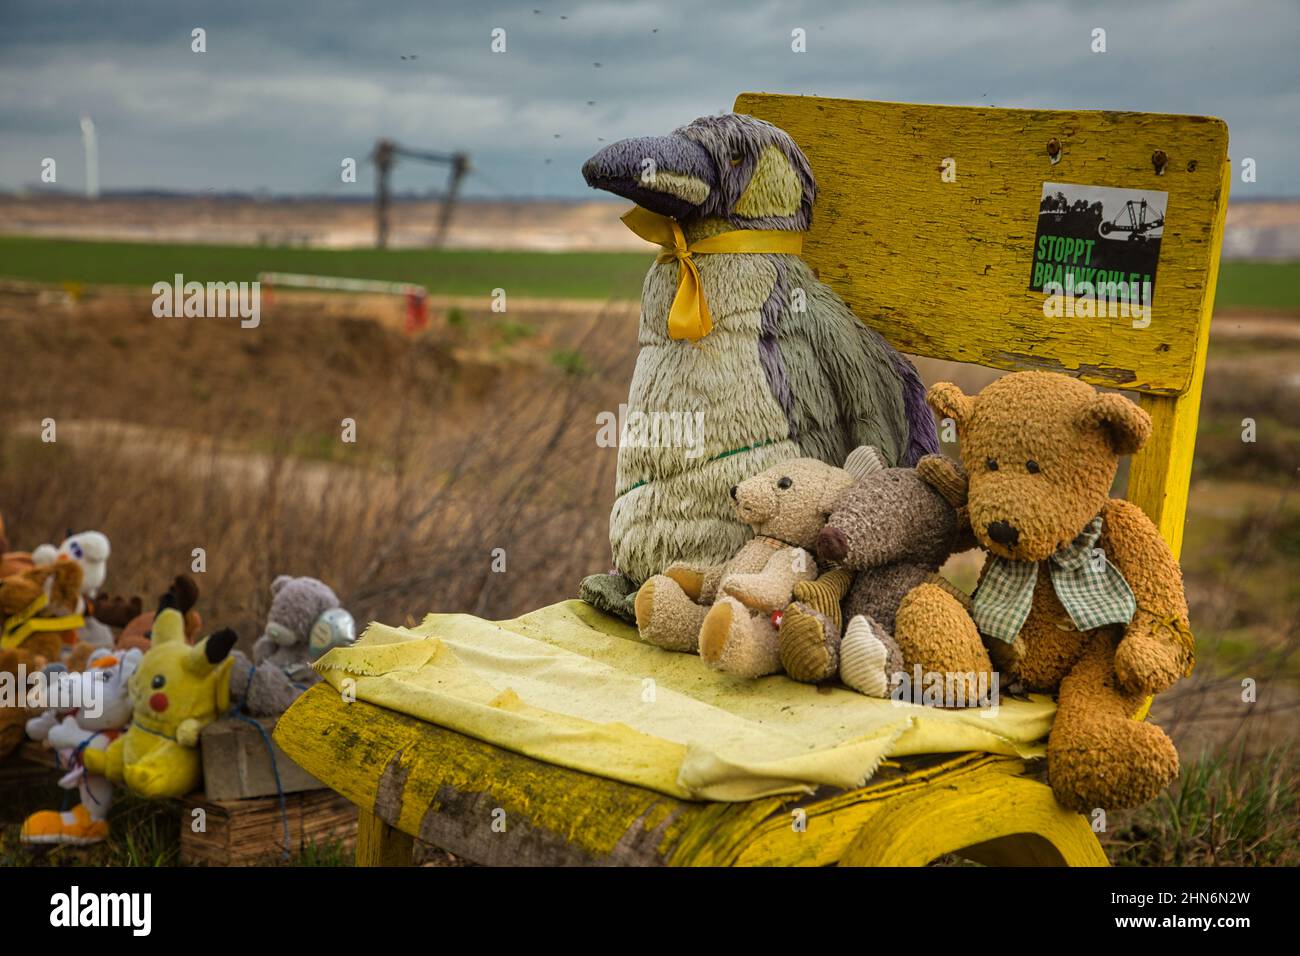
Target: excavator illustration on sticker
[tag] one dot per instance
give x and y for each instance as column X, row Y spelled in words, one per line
column 1098, row 237
column 1137, row 225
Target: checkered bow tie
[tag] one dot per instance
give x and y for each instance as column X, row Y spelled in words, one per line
column 1093, row 592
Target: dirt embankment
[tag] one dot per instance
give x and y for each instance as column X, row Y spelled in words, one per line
column 314, row 359
column 537, row 225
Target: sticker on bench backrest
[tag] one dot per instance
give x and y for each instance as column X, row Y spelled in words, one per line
column 1099, row 243
column 926, row 219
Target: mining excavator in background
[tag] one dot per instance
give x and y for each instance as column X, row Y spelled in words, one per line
column 385, row 155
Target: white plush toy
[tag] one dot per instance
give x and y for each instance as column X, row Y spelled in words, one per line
column 38, row 727
column 105, row 712
column 90, row 549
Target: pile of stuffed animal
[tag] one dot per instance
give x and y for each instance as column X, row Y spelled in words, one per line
column 803, row 528
column 1079, row 596
column 139, row 686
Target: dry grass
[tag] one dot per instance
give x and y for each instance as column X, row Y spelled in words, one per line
column 404, row 521
column 1228, row 809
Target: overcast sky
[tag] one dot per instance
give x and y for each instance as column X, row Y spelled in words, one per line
column 287, row 89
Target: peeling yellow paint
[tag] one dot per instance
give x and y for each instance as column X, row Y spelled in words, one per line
column 942, row 268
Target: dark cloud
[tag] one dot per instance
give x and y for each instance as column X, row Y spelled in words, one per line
column 287, row 90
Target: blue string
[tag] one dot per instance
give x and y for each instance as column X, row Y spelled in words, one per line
column 78, row 757
column 67, row 794
column 236, row 711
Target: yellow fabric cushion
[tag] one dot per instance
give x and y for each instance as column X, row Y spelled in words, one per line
column 574, row 687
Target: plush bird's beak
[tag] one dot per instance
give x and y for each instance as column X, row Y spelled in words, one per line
column 671, row 175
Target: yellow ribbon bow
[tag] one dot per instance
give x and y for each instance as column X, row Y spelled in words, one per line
column 25, row 623
column 689, row 317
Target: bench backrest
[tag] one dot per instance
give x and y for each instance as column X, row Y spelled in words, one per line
column 926, row 222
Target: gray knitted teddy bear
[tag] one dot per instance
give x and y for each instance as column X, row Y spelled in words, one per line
column 298, row 607
column 890, row 531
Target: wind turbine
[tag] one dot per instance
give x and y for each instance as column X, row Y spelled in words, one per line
column 92, row 157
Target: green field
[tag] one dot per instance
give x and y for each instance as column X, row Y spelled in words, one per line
column 583, row 275
column 1259, row 285
column 578, row 275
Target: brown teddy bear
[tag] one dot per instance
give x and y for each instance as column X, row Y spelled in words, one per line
column 1079, row 594
column 12, row 562
column 890, row 531
column 37, row 609
column 726, row 611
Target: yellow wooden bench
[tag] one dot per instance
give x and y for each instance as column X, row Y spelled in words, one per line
column 925, row 224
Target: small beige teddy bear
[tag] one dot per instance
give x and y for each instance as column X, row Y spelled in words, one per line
column 726, row 612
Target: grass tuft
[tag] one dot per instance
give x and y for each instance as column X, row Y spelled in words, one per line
column 1229, row 809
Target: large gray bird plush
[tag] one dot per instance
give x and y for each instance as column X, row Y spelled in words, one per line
column 785, row 371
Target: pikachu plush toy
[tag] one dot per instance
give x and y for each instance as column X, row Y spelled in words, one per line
column 177, row 690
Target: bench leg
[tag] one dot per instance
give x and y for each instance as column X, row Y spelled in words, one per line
column 992, row 816
column 378, row 844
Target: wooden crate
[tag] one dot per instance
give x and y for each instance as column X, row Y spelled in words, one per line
column 248, row 832
column 237, row 764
